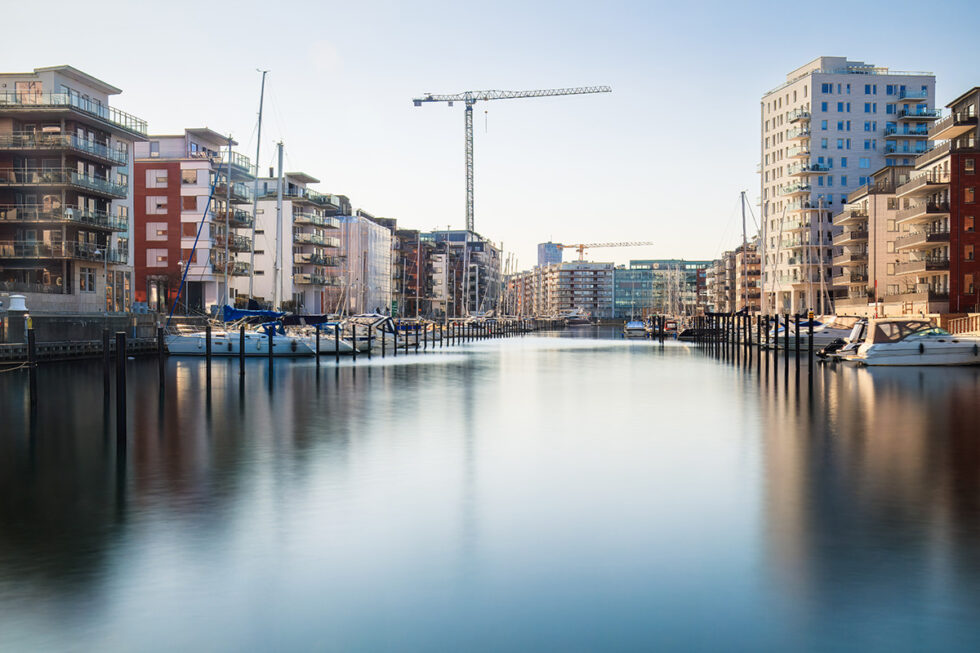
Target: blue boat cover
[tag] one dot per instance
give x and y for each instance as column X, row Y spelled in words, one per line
column 231, row 314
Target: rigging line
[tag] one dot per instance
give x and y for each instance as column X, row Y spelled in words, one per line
column 724, row 234
column 754, row 221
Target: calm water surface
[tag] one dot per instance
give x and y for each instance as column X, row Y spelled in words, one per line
column 567, row 492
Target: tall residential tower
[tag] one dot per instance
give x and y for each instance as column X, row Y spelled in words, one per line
column 824, row 131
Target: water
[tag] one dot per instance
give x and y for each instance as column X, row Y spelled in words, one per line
column 537, row 493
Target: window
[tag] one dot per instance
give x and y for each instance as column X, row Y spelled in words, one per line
column 969, row 166
column 843, row 180
column 188, row 202
column 890, row 247
column 890, row 108
column 968, row 223
column 840, row 107
column 188, row 176
column 891, row 267
column 890, row 225
column 830, row 180
column 890, row 89
column 867, row 144
column 840, row 125
column 967, row 252
column 188, row 229
column 156, row 230
column 823, row 143
column 843, row 162
column 156, row 205
column 154, row 149
column 819, row 181
column 86, row 279
column 968, row 194
column 847, row 106
column 823, row 106
column 156, row 258
column 840, row 143
column 122, row 179
column 826, row 88
column 968, row 284
column 156, row 178
column 823, row 125
column 867, row 89
column 830, row 162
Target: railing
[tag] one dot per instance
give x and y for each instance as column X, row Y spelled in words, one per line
column 953, row 119
column 237, row 219
column 923, row 237
column 851, row 257
column 852, row 235
column 927, row 264
column 239, row 191
column 321, row 199
column 24, row 286
column 850, row 277
column 913, row 95
column 799, row 150
column 315, row 239
column 799, row 114
column 922, row 180
column 59, row 177
column 70, row 250
column 919, row 112
column 795, row 188
column 111, row 115
column 895, row 130
column 235, row 243
column 968, row 324
column 805, row 168
column 39, row 213
column 43, row 141
column 892, row 148
column 799, row 132
column 920, row 208
column 304, row 217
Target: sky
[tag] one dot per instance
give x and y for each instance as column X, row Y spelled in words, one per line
column 662, row 158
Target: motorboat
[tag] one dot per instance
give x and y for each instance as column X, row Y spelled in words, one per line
column 846, row 348
column 825, row 331
column 915, row 341
column 228, row 343
column 576, row 317
column 635, row 329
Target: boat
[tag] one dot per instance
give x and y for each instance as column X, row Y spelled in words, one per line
column 915, row 341
column 576, row 317
column 825, row 332
column 845, row 348
column 228, row 343
column 635, row 329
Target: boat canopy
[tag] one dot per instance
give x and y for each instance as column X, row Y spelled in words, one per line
column 230, row 314
column 893, row 330
column 306, row 320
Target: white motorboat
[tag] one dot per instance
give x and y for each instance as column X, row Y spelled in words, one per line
column 915, row 341
column 824, row 331
column 227, row 343
column 635, row 329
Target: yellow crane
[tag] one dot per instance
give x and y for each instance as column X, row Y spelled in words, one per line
column 581, row 247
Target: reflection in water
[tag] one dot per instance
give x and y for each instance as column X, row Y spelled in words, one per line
column 571, row 492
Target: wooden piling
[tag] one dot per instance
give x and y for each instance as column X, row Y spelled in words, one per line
column 105, row 364
column 161, row 361
column 207, row 354
column 336, row 344
column 32, row 367
column 120, row 390
column 317, row 345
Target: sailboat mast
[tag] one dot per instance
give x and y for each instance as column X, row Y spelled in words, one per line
column 255, row 191
column 277, row 262
column 745, row 253
column 224, row 300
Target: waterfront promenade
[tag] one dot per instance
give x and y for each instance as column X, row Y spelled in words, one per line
column 558, row 491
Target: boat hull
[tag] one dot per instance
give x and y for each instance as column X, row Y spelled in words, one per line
column 948, row 353
column 228, row 344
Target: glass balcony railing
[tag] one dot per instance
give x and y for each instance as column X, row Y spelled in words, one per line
column 60, row 177
column 42, row 141
column 895, row 130
column 32, row 249
column 919, row 112
column 105, row 113
column 909, row 94
column 905, row 150
column 39, row 213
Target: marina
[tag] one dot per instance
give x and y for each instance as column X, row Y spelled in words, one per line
column 558, row 477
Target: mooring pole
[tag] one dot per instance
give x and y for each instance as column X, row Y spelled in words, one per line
column 161, row 361
column 121, row 390
column 105, row 364
column 207, row 354
column 32, row 367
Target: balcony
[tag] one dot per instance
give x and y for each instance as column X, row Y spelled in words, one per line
column 789, row 226
column 895, row 149
column 306, row 218
column 800, row 169
column 799, row 152
column 894, row 131
column 307, row 238
column 921, row 297
column 799, row 133
column 852, row 237
column 922, row 212
column 37, row 213
column 848, row 277
column 33, row 142
column 798, row 115
column 953, row 125
column 296, row 194
column 235, row 244
column 851, row 258
column 240, row 193
column 855, row 216
column 31, row 249
column 913, row 96
column 65, row 177
column 922, row 239
column 918, row 113
column 799, row 188
column 923, row 184
column 312, row 258
column 33, row 102
column 237, row 218
column 802, row 205
column 924, row 265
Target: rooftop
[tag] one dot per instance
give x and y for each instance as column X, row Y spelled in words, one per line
column 839, row 66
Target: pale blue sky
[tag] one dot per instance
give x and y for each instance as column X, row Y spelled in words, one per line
column 662, row 158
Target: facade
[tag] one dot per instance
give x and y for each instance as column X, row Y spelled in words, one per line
column 632, row 291
column 678, row 286
column 747, row 272
column 466, row 273
column 176, row 230
column 549, row 253
column 65, row 191
column 937, row 215
column 720, row 295
column 365, row 278
column 866, row 255
column 578, row 285
column 309, row 278
column 411, row 273
column 824, row 131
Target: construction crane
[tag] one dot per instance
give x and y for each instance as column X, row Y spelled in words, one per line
column 469, row 98
column 581, row 247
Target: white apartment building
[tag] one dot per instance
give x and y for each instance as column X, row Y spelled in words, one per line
column 365, row 267
column 824, row 132
column 308, row 246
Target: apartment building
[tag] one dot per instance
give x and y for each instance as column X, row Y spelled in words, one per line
column 824, row 130
column 678, row 285
column 307, row 252
column 937, row 213
column 411, row 273
column 719, row 296
column 632, row 291
column 190, row 220
column 578, row 285
column 747, row 273
column 365, row 265
column 65, row 191
column 549, row 253
column 466, row 273
column 866, row 249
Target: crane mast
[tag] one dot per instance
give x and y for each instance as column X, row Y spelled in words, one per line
column 469, row 98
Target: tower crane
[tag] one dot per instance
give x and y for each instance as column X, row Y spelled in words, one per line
column 581, row 247
column 469, row 98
